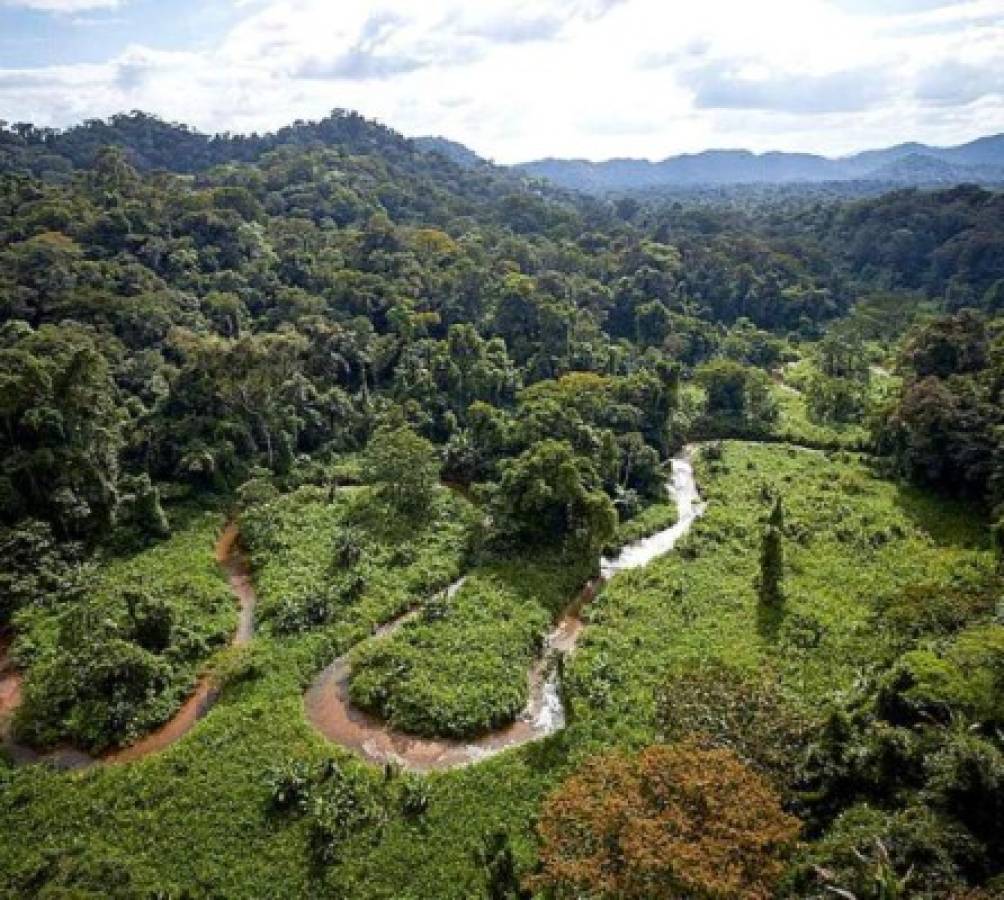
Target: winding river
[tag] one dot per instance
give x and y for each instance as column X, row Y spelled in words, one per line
column 327, row 701
column 235, row 564
column 331, row 712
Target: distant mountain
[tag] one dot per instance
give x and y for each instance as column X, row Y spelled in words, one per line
column 980, row 161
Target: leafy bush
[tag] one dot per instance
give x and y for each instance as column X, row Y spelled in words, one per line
column 104, row 670
column 415, row 797
column 296, row 542
column 873, row 854
column 289, row 786
column 748, row 713
column 340, row 806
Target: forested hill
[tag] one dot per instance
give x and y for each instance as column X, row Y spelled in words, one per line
column 150, row 143
column 253, row 312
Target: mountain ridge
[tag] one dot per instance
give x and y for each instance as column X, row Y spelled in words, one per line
column 980, row 160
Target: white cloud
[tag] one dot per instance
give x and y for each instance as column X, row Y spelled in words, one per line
column 516, row 79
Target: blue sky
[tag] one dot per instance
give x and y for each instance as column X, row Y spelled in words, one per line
column 519, row 79
column 41, row 37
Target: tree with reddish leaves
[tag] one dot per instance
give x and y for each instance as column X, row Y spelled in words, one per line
column 671, row 821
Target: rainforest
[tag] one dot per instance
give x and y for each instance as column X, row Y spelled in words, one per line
column 380, row 522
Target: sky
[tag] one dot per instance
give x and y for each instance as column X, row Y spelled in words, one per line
column 524, row 79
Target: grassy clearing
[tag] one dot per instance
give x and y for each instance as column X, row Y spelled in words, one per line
column 794, row 425
column 198, row 816
column 345, row 562
column 850, row 540
column 461, row 667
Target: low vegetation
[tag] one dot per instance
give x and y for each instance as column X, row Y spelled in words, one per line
column 460, row 668
column 109, row 667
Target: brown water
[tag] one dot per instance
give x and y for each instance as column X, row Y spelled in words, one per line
column 330, row 710
column 10, row 684
column 233, row 560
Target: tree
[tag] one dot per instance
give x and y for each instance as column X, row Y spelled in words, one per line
column 37, row 568
column 831, row 399
column 143, row 501
column 403, row 466
column 60, row 429
column 737, row 393
column 652, row 323
column 549, row 495
column 950, row 345
column 725, row 384
column 675, row 821
column 768, row 582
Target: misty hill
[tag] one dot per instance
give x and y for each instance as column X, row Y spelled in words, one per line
column 453, row 150
column 980, row 161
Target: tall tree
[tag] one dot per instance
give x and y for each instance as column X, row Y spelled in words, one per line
column 771, row 575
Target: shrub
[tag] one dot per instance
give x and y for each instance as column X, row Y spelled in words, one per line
column 289, row 786
column 497, row 864
column 744, row 712
column 414, row 797
column 873, row 854
column 966, row 780
column 341, row 806
column 936, row 609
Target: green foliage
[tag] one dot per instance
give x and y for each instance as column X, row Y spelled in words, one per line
column 965, row 679
column 289, row 786
column 940, row 608
column 944, row 428
column 306, row 579
column 145, row 513
column 340, row 807
column 839, row 400
column 769, row 579
column 460, row 668
column 38, row 569
column 549, row 496
column 747, row 713
column 873, row 854
column 652, row 518
column 404, row 467
column 415, row 797
column 737, row 395
column 495, row 857
column 60, row 438
column 663, row 619
column 162, row 334
column 106, row 668
column 699, row 603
